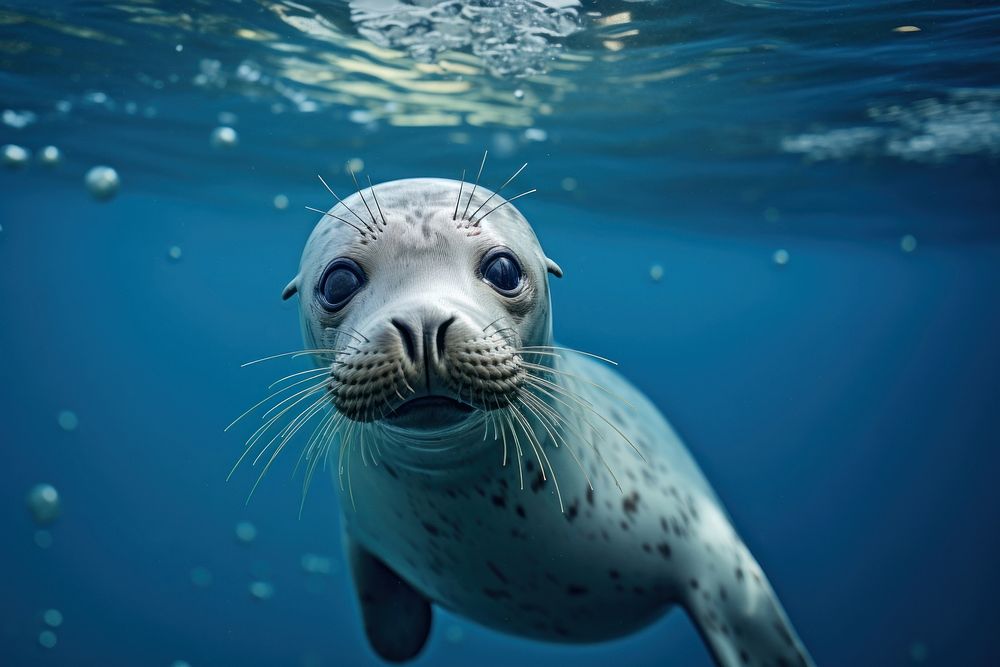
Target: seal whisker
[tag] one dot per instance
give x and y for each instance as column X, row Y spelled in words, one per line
column 497, row 422
column 459, row 200
column 293, row 354
column 316, row 450
column 330, row 190
column 590, row 406
column 362, row 195
column 252, row 440
column 346, row 222
column 474, row 187
column 291, row 426
column 314, row 371
column 493, row 322
column 517, row 445
column 314, row 387
column 505, row 202
column 568, row 349
column 302, row 419
column 548, row 369
column 497, row 191
column 527, row 399
column 541, row 451
column 529, row 435
column 381, row 215
column 567, row 425
column 322, row 427
column 316, row 435
column 262, row 430
column 529, row 382
column 268, row 398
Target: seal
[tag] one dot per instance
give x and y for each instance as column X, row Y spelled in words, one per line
column 485, row 469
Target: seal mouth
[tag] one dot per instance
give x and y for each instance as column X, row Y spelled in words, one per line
column 429, row 412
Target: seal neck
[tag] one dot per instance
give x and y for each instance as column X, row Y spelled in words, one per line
column 442, row 452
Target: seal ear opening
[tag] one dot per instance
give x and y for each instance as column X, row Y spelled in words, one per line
column 553, row 268
column 290, row 289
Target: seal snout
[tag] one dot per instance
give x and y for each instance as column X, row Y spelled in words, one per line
column 425, row 368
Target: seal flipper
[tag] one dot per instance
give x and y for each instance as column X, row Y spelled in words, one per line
column 741, row 620
column 396, row 617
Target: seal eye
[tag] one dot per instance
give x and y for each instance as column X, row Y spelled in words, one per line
column 341, row 281
column 501, row 270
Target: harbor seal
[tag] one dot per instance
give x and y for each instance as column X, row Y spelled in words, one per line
column 483, row 468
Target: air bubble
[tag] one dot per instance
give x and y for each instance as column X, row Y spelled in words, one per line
column 102, row 182
column 246, row 532
column 14, row 156
column 43, row 503
column 68, row 421
column 261, row 590
column 53, row 618
column 50, row 156
column 780, row 257
column 224, row 137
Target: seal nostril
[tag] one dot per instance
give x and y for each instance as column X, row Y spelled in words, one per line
column 440, row 339
column 406, row 335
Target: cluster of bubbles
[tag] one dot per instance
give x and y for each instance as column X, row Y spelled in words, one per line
column 52, row 618
column 101, row 181
column 517, row 38
column 966, row 122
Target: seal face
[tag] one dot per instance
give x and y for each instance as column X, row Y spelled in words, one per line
column 417, row 347
column 485, row 469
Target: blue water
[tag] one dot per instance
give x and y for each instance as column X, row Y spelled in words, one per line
column 845, row 405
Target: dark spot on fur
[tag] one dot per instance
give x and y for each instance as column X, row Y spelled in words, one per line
column 664, row 549
column 723, row 595
column 744, row 656
column 538, row 482
column 389, row 469
column 638, row 590
column 496, row 593
column 496, row 571
column 647, row 548
column 614, row 574
column 630, row 503
column 694, row 584
column 529, row 466
column 520, row 511
column 573, row 510
column 624, row 525
column 739, row 574
column 431, row 528
column 499, row 501
column 576, row 589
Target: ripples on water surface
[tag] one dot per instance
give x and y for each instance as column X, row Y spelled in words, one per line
column 791, row 208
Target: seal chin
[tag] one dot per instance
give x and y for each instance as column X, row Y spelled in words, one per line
column 429, row 413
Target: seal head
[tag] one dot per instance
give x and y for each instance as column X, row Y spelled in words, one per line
column 424, row 293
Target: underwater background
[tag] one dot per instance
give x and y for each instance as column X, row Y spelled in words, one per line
column 779, row 217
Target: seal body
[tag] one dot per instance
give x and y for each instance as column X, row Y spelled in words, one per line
column 489, row 471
